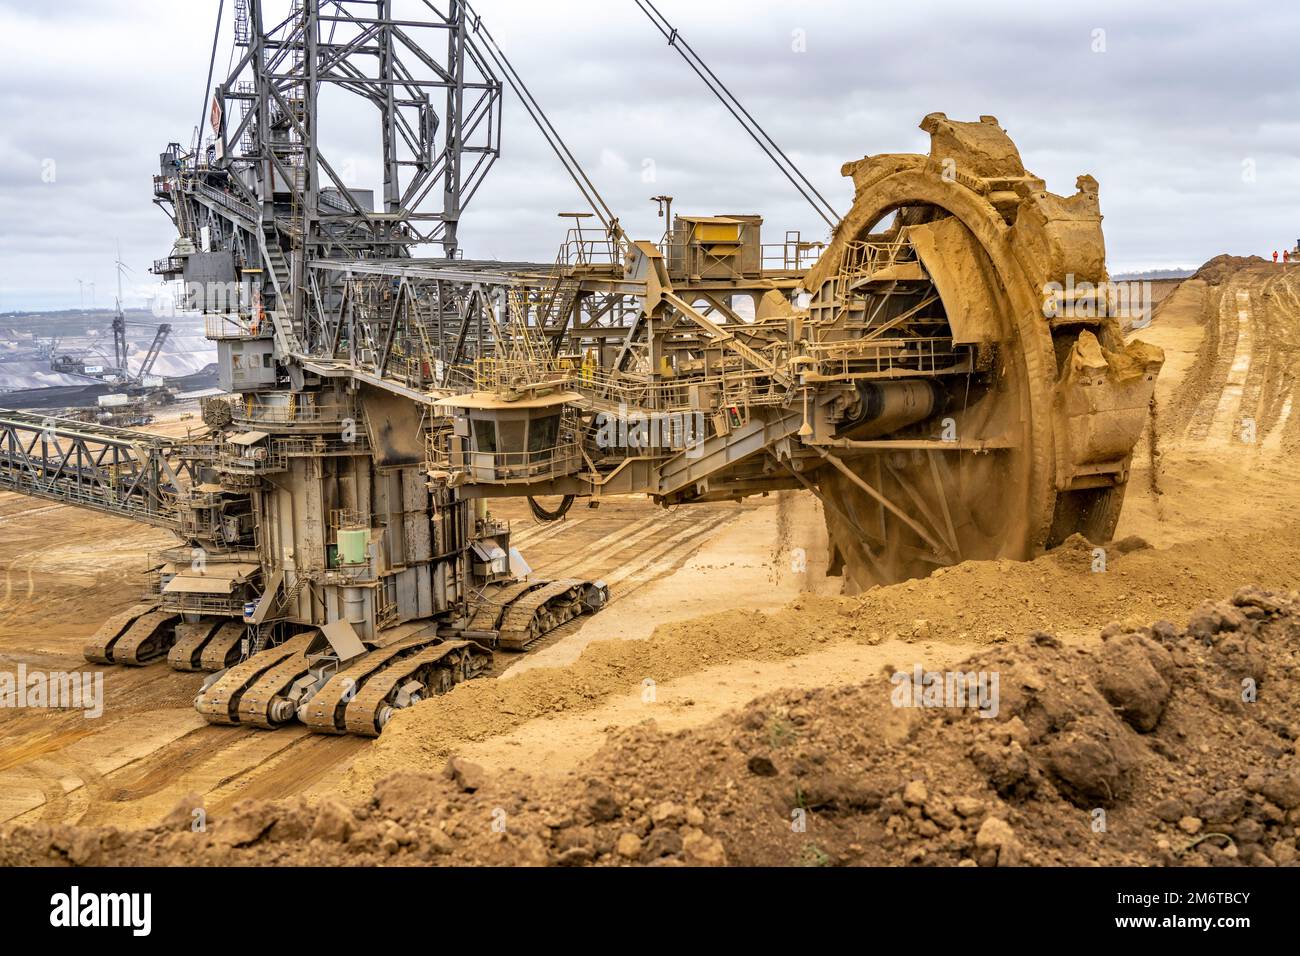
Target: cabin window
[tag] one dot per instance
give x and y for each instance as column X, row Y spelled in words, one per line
column 544, row 433
column 512, row 435
column 485, row 435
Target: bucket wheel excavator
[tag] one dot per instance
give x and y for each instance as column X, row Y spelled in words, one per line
column 945, row 375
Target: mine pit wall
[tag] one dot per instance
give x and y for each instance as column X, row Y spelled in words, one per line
column 416, row 559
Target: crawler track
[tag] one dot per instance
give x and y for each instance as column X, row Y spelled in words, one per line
column 540, row 611
column 190, row 640
column 221, row 701
column 135, row 636
column 302, row 678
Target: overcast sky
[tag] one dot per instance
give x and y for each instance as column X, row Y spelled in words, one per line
column 1189, row 118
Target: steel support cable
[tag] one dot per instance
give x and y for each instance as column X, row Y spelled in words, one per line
column 212, row 65
column 751, row 126
column 544, row 125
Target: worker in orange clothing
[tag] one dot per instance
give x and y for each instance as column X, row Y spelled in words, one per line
column 1275, row 255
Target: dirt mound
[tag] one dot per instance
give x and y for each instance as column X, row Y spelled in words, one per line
column 1221, row 267
column 1160, row 745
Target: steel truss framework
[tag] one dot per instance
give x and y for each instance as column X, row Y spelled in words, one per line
column 113, row 470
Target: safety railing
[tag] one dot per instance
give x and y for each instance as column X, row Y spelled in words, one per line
column 552, row 462
column 232, row 326
column 250, row 460
column 288, row 411
column 225, row 199
column 793, row 255
column 860, row 261
column 602, row 387
column 581, row 249
column 187, row 603
column 884, row 357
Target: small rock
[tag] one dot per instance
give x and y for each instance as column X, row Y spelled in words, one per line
column 1283, row 852
column 1254, row 596
column 667, row 814
column 938, row 810
column 468, row 776
column 997, row 835
column 700, row 849
column 603, row 805
column 761, row 766
column 1131, row 680
column 1211, row 619
column 250, row 821
column 1248, row 830
column 438, row 842
column 1281, row 788
column 661, row 843
column 1165, row 631
column 1224, row 807
column 1170, row 810
column 916, row 793
column 1190, row 825
column 334, row 822
column 628, row 846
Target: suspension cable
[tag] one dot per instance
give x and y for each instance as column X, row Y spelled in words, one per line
column 544, row 125
column 742, row 115
column 207, row 91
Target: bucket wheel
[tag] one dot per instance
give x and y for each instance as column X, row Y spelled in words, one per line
column 1041, row 401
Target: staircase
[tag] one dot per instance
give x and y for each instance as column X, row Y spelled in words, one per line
column 291, row 595
column 279, row 272
column 554, row 309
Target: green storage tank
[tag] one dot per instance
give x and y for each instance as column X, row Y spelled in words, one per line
column 352, row 545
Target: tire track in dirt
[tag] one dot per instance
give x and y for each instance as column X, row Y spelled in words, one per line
column 1246, row 389
column 1277, row 420
column 9, row 604
column 1223, row 327
column 298, row 767
column 1227, row 411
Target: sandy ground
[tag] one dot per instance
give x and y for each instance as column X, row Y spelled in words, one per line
column 1216, row 501
column 150, row 748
